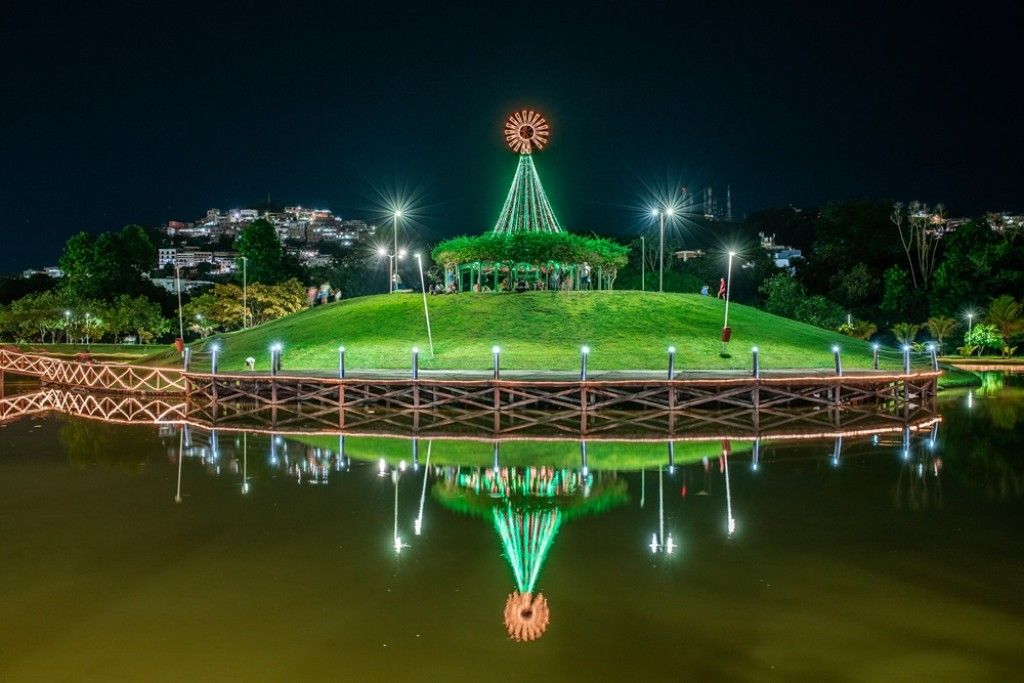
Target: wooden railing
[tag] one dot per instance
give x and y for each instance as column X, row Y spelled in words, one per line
column 106, row 377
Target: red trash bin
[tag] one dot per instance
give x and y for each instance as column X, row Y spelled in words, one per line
column 726, row 334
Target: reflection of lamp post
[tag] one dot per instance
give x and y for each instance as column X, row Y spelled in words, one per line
column 426, row 311
column 418, row 524
column 245, row 462
column 730, row 520
column 397, row 540
column 181, row 455
column 658, row 540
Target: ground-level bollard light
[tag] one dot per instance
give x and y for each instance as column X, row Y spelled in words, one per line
column 214, row 350
column 584, row 352
column 496, row 352
column 838, row 360
column 415, row 362
column 671, row 362
column 906, row 359
column 935, row 357
column 341, row 362
column 755, row 357
column 186, row 358
column 874, row 356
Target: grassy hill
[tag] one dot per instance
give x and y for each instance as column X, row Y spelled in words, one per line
column 540, row 331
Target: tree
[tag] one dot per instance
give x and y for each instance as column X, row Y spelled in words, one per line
column 274, row 301
column 266, row 260
column 782, row 294
column 1004, row 313
column 109, row 264
column 859, row 329
column 138, row 315
column 819, row 311
column 940, row 327
column 920, row 231
column 982, row 337
column 905, row 333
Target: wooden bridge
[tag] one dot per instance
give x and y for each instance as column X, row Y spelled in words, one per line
column 513, row 402
column 105, row 377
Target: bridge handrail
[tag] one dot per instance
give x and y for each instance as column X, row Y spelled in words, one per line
column 120, row 377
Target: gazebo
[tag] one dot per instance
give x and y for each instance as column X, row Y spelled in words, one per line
column 527, row 248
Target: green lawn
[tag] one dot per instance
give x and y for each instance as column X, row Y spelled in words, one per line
column 104, row 352
column 600, row 454
column 539, row 331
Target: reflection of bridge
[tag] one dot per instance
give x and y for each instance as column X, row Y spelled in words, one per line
column 807, row 423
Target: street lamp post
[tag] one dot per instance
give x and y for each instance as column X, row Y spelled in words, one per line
column 245, row 292
column 426, row 311
column 643, row 264
column 392, row 267
column 728, row 291
column 970, row 322
column 661, row 214
column 181, row 321
column 67, row 326
column 88, row 332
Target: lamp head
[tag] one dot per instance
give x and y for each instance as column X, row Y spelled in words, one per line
column 415, row 349
column 417, row 255
column 584, row 350
column 382, row 251
column 401, row 254
column 655, row 213
column 341, row 349
column 835, row 348
column 875, row 346
column 670, row 211
column 671, row 349
column 398, row 213
column 754, row 350
column 495, row 349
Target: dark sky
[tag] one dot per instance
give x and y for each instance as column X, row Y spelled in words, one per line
column 142, row 112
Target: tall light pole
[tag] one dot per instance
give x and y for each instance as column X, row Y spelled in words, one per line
column 67, row 326
column 394, row 219
column 728, row 291
column 245, row 292
column 392, row 268
column 662, row 214
column 426, row 311
column 970, row 322
column 181, row 321
column 643, row 264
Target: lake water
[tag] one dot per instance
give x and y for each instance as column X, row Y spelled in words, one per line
column 871, row 559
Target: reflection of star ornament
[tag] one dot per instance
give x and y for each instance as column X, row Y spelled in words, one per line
column 526, row 616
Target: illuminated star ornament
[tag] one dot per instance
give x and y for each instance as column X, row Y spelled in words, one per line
column 526, row 131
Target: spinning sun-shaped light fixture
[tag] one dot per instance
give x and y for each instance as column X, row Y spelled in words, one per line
column 526, row 131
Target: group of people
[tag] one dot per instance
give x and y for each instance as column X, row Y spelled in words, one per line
column 722, row 289
column 322, row 294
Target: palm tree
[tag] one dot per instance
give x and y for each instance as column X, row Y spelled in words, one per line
column 859, row 329
column 1005, row 313
column 940, row 327
column 905, row 333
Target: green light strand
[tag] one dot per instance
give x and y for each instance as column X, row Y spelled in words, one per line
column 526, row 208
column 527, row 538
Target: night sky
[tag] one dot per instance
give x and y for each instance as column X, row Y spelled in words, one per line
column 129, row 112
